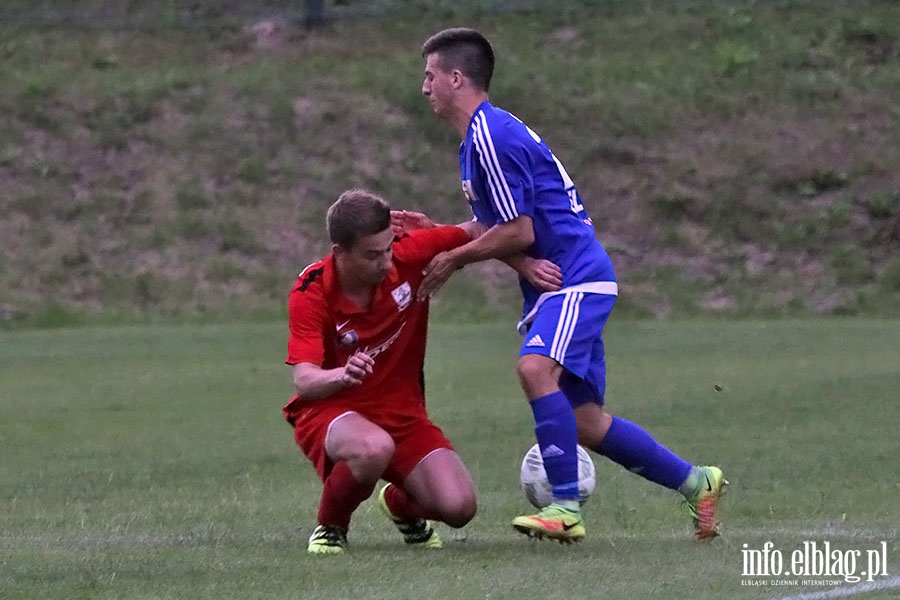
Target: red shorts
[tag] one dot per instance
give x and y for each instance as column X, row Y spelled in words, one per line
column 414, row 439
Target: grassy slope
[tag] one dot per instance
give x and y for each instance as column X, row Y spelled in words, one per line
column 737, row 160
column 154, row 463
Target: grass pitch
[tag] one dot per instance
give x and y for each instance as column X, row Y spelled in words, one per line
column 152, row 462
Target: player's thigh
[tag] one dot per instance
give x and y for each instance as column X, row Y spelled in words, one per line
column 354, row 438
column 567, row 328
column 311, row 427
column 413, row 441
column 428, row 467
column 442, row 483
column 441, row 475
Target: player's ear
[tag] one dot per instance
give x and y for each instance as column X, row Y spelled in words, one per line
column 457, row 78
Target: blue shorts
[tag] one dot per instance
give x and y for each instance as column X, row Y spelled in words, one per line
column 569, row 329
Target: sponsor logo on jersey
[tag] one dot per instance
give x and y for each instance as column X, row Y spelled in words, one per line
column 375, row 351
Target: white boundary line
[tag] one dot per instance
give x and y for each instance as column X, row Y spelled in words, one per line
column 844, row 592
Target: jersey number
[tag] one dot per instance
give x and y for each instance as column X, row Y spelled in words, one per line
column 574, row 202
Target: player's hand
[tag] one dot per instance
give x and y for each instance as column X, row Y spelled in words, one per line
column 544, row 275
column 404, row 221
column 359, row 366
column 436, row 274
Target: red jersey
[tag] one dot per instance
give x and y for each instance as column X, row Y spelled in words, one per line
column 326, row 329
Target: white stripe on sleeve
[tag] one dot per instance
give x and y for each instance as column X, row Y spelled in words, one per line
column 501, row 195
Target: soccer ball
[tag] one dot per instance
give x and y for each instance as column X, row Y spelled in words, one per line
column 537, row 488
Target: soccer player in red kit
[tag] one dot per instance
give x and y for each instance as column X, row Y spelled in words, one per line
column 357, row 349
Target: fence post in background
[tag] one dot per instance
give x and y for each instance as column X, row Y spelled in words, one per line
column 313, row 13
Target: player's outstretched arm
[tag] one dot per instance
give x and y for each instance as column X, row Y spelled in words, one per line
column 312, row 382
column 474, row 228
column 499, row 241
column 405, row 221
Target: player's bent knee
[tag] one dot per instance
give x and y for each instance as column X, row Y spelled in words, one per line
column 374, row 449
column 459, row 511
column 538, row 373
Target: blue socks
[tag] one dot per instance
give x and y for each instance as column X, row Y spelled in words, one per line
column 625, row 443
column 557, row 436
column 636, row 450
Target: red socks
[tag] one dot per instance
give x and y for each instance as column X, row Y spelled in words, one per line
column 341, row 495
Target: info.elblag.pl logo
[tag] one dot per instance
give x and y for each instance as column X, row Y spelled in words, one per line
column 822, row 561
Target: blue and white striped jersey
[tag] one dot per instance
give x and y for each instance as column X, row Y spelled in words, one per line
column 508, row 171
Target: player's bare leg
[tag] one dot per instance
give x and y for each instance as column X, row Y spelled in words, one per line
column 360, row 451
column 438, row 488
column 365, row 447
column 593, row 423
column 441, row 483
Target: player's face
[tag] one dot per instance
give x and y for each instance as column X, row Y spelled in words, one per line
column 437, row 86
column 370, row 258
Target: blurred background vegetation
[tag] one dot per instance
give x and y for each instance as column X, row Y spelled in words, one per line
column 173, row 160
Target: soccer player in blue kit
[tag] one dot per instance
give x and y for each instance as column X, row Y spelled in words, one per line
column 534, row 221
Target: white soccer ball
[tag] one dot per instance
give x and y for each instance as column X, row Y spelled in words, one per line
column 536, row 486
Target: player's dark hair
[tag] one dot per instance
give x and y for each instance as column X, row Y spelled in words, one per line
column 356, row 214
column 464, row 49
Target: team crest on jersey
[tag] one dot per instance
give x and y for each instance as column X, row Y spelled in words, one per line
column 348, row 339
column 467, row 190
column 402, row 295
